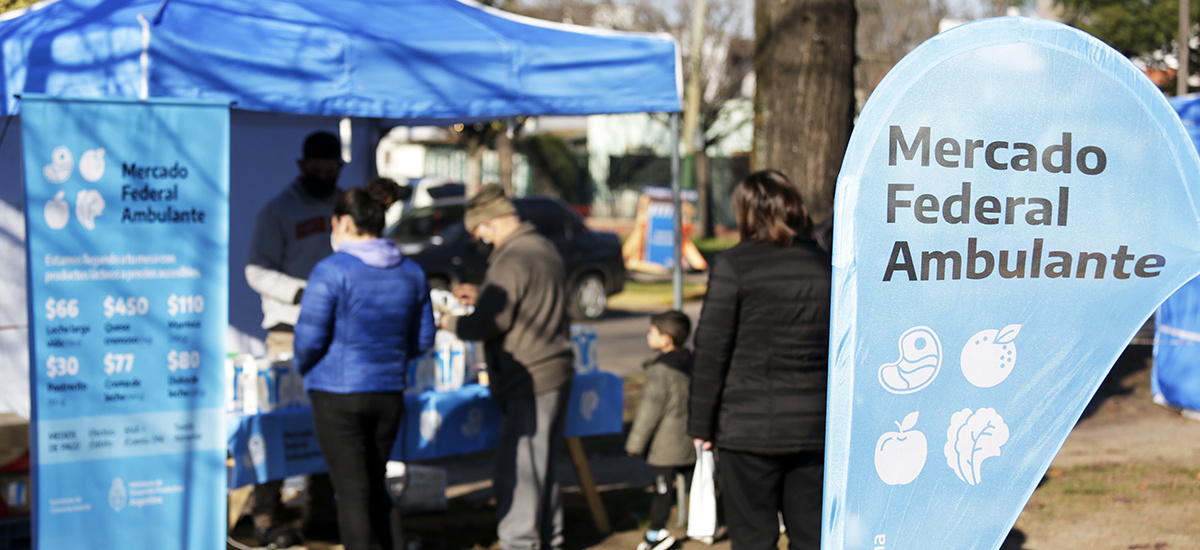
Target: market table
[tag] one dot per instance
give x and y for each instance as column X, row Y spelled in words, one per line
column 279, row 444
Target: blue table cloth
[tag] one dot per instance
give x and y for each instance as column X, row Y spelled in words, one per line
column 280, row 444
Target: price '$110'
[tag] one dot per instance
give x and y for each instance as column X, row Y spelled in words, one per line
column 182, row 305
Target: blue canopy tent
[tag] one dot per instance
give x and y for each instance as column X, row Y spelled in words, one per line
column 1176, row 380
column 292, row 66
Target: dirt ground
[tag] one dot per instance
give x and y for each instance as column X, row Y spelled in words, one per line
column 1128, row 477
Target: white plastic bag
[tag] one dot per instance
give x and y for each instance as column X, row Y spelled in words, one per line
column 702, row 502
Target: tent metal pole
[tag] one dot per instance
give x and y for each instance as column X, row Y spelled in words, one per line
column 677, row 268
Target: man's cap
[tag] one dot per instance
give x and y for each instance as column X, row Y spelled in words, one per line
column 488, row 204
column 322, row 145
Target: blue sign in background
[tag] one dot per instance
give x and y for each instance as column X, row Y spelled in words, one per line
column 1016, row 200
column 127, row 226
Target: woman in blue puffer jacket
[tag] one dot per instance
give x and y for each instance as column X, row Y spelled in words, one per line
column 364, row 313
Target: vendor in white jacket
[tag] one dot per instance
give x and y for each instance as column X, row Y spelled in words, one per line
column 291, row 234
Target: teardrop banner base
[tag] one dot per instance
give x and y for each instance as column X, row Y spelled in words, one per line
column 1016, row 200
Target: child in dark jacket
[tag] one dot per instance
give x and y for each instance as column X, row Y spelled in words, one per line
column 659, row 429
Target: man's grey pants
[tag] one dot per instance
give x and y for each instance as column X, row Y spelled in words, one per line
column 528, row 499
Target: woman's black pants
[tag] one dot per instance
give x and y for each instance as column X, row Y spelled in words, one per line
column 356, row 432
column 756, row 489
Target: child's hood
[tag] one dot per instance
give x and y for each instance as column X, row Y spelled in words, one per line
column 679, row 359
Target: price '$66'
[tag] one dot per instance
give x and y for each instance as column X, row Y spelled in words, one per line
column 62, row 308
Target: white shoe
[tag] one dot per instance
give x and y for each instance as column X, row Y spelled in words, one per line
column 662, row 540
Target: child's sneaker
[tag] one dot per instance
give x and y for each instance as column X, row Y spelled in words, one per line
column 657, row 540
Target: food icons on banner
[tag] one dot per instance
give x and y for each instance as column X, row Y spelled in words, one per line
column 88, row 205
column 589, row 401
column 258, row 450
column 474, row 423
column 57, row 212
column 62, row 163
column 91, row 164
column 430, row 423
column 973, row 437
column 900, row 455
column 989, row 356
column 919, row 362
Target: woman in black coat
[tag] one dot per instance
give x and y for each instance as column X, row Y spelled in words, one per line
column 761, row 364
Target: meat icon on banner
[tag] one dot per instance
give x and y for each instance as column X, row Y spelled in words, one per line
column 1011, row 184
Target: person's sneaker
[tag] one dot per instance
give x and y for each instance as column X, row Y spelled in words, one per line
column 657, row 540
column 280, row 536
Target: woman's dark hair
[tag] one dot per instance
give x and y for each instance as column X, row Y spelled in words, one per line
column 387, row 190
column 364, row 207
column 769, row 209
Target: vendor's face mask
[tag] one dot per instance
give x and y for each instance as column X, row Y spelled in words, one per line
column 319, row 176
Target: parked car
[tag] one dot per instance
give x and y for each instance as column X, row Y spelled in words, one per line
column 435, row 237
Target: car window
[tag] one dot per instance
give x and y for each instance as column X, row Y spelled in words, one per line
column 422, row 224
column 549, row 219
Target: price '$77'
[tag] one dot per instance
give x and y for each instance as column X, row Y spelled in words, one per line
column 118, row 362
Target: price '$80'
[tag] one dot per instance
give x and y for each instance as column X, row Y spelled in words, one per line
column 183, row 360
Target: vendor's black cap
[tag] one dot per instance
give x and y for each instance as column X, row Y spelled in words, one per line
column 322, row 145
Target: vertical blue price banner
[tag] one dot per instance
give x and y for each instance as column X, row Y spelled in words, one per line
column 127, row 224
column 1016, row 200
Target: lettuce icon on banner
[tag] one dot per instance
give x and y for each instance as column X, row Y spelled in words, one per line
column 974, row 436
column 1011, row 182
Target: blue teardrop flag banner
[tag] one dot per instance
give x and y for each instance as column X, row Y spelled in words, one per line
column 1016, row 200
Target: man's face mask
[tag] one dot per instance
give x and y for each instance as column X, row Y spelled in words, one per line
column 319, row 176
column 482, row 242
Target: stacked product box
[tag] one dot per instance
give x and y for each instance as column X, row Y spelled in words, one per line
column 256, row 385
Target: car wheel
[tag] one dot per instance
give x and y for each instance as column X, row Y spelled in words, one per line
column 588, row 298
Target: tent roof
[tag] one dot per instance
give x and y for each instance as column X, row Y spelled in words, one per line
column 422, row 61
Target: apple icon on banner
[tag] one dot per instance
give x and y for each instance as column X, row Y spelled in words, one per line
column 91, row 164
column 61, row 165
column 900, row 456
column 989, row 356
column 57, row 212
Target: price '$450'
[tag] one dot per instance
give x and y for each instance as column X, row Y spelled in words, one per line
column 133, row 305
column 118, row 362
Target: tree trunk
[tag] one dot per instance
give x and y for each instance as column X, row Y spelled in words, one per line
column 504, row 150
column 804, row 103
column 475, row 151
column 704, row 192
